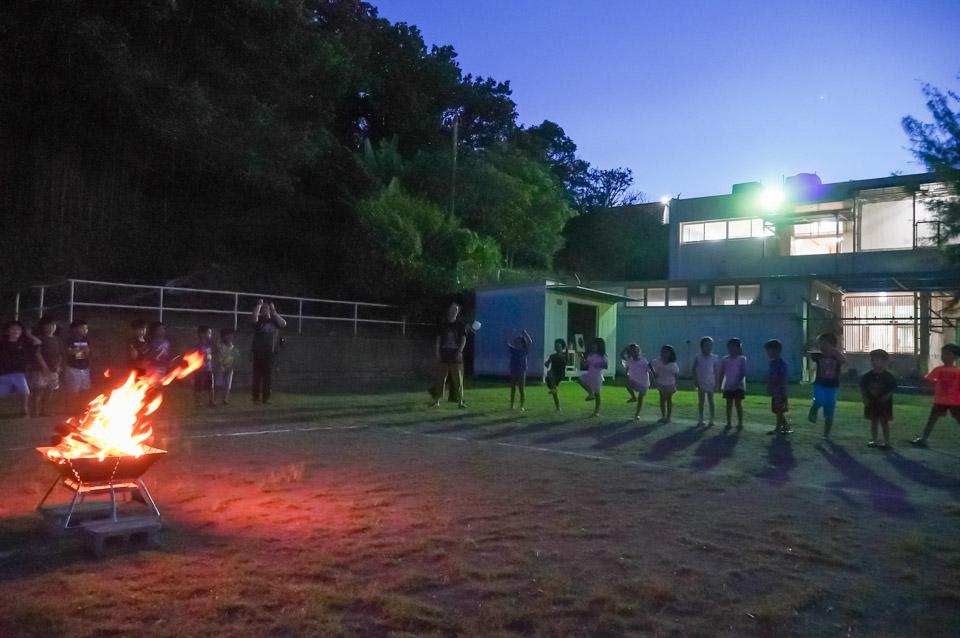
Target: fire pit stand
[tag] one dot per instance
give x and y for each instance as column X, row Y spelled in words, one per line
column 99, row 487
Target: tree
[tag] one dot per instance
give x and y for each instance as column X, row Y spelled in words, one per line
column 608, row 188
column 937, row 145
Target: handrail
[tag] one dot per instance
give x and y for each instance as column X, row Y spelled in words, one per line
column 160, row 308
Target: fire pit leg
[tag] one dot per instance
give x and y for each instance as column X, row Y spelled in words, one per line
column 149, row 499
column 56, row 482
column 73, row 504
column 113, row 503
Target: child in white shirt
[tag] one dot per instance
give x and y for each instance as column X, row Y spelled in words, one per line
column 665, row 369
column 638, row 375
column 733, row 380
column 705, row 377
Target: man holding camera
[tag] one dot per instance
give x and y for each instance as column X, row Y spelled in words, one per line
column 266, row 335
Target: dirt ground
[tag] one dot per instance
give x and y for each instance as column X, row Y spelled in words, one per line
column 374, row 515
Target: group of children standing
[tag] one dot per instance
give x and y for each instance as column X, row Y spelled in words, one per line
column 728, row 376
column 34, row 365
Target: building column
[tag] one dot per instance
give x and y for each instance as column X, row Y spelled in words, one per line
column 923, row 364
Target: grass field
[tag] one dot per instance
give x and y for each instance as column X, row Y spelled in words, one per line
column 374, row 515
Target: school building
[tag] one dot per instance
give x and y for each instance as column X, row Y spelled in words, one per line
column 856, row 258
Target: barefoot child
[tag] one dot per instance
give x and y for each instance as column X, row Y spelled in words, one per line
column 777, row 386
column 705, row 377
column 518, row 366
column 557, row 370
column 638, row 375
column 225, row 357
column 877, row 388
column 593, row 365
column 829, row 362
column 733, row 380
column 946, row 391
column 665, row 371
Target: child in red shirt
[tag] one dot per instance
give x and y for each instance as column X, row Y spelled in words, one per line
column 946, row 391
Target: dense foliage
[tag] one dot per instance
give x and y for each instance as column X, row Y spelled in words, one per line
column 303, row 145
column 937, row 145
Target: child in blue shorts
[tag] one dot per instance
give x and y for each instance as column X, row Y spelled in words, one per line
column 829, row 363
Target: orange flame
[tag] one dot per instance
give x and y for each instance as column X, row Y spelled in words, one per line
column 114, row 425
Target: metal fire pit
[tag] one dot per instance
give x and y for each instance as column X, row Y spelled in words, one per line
column 98, row 487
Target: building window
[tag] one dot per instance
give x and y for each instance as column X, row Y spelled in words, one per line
column 701, row 300
column 739, row 229
column 637, row 295
column 748, row 295
column 725, row 296
column 656, row 297
column 879, row 321
column 693, row 232
column 678, row 297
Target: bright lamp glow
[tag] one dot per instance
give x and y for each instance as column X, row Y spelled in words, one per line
column 771, row 198
column 665, row 200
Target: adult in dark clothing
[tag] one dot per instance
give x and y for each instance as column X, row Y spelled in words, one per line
column 451, row 339
column 266, row 336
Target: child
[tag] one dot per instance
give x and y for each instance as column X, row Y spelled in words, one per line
column 829, row 361
column 665, row 370
column 705, row 377
column 138, row 351
column 225, row 358
column 45, row 373
column 777, row 386
column 518, row 367
column 593, row 365
column 557, row 364
column 203, row 378
column 158, row 348
column 76, row 374
column 638, row 375
column 877, row 388
column 733, row 380
column 946, row 391
column 16, row 351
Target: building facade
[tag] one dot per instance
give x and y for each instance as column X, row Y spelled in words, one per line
column 860, row 259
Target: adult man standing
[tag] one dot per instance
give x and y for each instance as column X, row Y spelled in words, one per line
column 266, row 335
column 451, row 339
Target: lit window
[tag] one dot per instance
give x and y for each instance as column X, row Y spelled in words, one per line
column 637, row 295
column 656, row 297
column 691, row 233
column 678, row 297
column 739, row 229
column 714, row 230
column 725, row 296
column 748, row 295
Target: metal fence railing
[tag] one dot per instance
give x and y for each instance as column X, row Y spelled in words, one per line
column 75, row 294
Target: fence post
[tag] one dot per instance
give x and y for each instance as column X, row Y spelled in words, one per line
column 16, row 307
column 40, row 309
column 236, row 307
column 404, row 325
column 300, row 318
column 161, row 304
column 355, row 306
column 72, row 282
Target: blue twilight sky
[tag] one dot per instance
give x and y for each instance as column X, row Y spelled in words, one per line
column 697, row 96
